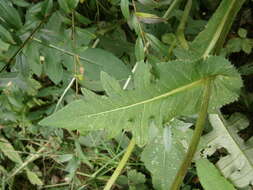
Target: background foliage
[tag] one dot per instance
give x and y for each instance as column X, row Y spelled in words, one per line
column 52, row 52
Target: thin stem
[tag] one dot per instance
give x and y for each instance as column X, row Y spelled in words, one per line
column 25, row 42
column 129, row 149
column 171, row 8
column 63, row 94
column 181, row 27
column 142, row 33
column 121, row 165
column 29, row 159
column 63, row 50
column 195, row 138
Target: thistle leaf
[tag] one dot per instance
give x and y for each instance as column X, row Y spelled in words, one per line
column 176, row 90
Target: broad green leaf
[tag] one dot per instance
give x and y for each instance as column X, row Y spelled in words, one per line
column 152, row 100
column 10, row 15
column 33, row 58
column 52, row 65
column 95, row 60
column 124, row 5
column 163, row 163
column 210, row 177
column 237, row 166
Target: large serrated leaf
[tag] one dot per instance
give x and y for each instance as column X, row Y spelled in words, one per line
column 176, row 91
column 237, row 166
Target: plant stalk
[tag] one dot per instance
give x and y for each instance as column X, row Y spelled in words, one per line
column 171, row 8
column 182, row 24
column 121, row 165
column 195, row 138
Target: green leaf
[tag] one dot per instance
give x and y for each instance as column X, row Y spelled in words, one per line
column 124, row 5
column 168, row 38
column 6, row 36
column 33, row 58
column 153, row 3
column 20, row 3
column 95, row 60
column 157, row 100
column 247, row 45
column 10, row 15
column 139, row 50
column 237, row 165
column 52, row 65
column 157, row 45
column 210, row 177
column 4, row 46
column 136, row 177
column 246, row 69
column 149, row 18
column 72, row 3
column 9, row 151
column 33, row 178
column 163, row 163
column 212, row 38
column 64, row 5
column 242, row 32
column 47, row 7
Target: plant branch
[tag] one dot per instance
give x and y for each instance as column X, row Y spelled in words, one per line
column 26, row 42
column 121, row 165
column 182, row 24
column 195, row 138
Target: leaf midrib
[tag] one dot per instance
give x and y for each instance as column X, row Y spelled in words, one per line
column 172, row 92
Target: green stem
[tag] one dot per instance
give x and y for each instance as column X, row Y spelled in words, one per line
column 26, row 42
column 195, row 138
column 171, row 8
column 181, row 27
column 121, row 165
